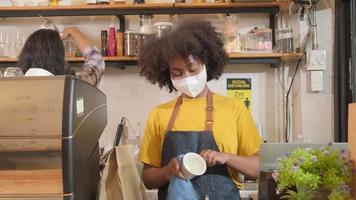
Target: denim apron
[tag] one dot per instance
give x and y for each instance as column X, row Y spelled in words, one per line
column 216, row 183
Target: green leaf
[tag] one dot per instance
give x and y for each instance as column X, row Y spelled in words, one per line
column 309, row 169
column 290, row 194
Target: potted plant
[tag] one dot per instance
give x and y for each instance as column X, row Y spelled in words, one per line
column 309, row 173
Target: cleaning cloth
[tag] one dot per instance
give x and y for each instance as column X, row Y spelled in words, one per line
column 181, row 189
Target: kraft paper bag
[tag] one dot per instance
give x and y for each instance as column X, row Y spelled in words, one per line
column 120, row 177
column 352, row 143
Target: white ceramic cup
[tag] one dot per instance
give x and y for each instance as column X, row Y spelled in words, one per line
column 193, row 165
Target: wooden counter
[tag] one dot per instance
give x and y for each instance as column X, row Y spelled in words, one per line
column 38, row 183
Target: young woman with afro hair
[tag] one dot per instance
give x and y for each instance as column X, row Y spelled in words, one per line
column 218, row 128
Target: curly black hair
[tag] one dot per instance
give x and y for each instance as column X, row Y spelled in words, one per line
column 190, row 37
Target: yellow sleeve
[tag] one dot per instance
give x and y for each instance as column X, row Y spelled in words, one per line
column 150, row 150
column 249, row 140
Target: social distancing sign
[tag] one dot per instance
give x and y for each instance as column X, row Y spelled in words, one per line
column 240, row 89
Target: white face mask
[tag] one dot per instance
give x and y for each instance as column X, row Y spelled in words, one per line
column 192, row 85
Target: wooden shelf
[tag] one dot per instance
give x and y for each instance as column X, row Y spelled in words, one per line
column 229, row 5
column 263, row 58
column 115, row 58
column 232, row 56
column 77, row 59
column 238, row 58
column 87, row 7
column 121, row 10
column 137, row 9
column 265, row 55
column 7, row 60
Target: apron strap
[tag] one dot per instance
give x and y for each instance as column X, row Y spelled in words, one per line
column 174, row 114
column 209, row 112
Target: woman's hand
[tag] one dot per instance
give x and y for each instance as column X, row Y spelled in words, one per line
column 68, row 32
column 173, row 168
column 212, row 157
column 80, row 40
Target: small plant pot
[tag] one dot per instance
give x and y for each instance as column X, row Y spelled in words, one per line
column 321, row 194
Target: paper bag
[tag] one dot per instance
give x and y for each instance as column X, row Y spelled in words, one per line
column 120, row 178
column 352, row 143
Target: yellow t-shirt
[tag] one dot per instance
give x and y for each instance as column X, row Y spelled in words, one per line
column 233, row 128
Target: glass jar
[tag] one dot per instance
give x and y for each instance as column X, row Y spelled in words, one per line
column 143, row 40
column 257, row 39
column 284, row 40
column 230, row 26
column 69, row 47
column 131, row 43
column 43, row 3
column 162, row 27
column 232, row 42
column 6, row 3
column 13, row 72
column 104, row 42
column 284, row 32
column 19, row 2
column 91, row 2
column 2, row 44
column 146, row 26
column 138, row 1
column 263, row 39
column 103, row 2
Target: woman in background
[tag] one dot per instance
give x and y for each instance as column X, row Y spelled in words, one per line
column 43, row 55
column 219, row 128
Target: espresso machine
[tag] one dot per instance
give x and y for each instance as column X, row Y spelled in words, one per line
column 49, row 132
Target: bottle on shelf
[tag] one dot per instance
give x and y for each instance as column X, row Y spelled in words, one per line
column 138, row 1
column 119, row 1
column 146, row 29
column 78, row 53
column 104, row 42
column 131, row 42
column 284, row 33
column 91, row 2
column 232, row 42
column 6, row 3
column 120, row 43
column 54, row 2
column 146, row 26
column 112, row 41
column 69, row 47
column 161, row 28
column 103, row 2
